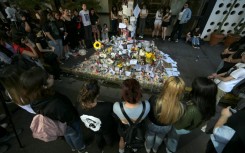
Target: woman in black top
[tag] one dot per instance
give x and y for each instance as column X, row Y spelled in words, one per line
column 97, row 116
column 94, row 22
column 49, row 56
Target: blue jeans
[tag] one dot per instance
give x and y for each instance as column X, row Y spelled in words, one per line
column 155, row 135
column 173, row 138
column 58, row 47
column 73, row 135
column 195, row 41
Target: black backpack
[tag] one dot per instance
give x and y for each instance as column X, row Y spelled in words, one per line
column 134, row 132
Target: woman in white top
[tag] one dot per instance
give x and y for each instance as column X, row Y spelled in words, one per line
column 157, row 23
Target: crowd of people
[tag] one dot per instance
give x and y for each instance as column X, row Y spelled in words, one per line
column 55, row 35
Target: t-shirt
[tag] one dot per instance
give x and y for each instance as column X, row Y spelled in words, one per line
column 85, row 17
column 133, row 113
column 159, row 15
column 52, row 28
column 20, row 49
column 42, row 41
column 181, row 14
column 98, row 118
column 94, row 18
column 238, row 75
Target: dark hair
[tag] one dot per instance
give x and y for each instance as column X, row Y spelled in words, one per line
column 114, row 11
column 131, row 91
column 203, row 94
column 9, row 78
column 89, row 92
column 33, row 83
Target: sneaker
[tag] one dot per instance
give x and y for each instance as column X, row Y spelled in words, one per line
column 4, row 125
column 176, row 40
column 70, row 53
column 168, row 151
column 73, row 150
column 146, row 149
column 169, row 39
column 3, row 148
column 82, row 150
column 155, row 151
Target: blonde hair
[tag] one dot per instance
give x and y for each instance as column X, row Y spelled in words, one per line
column 168, row 106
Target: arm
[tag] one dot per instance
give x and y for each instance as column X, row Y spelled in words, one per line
column 27, row 27
column 225, row 114
column 224, row 79
column 50, row 37
column 44, row 50
column 189, row 15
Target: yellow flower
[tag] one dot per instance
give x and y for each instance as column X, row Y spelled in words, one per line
column 120, row 65
column 148, row 55
column 97, row 45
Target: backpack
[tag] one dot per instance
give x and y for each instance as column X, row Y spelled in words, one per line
column 133, row 134
column 46, row 129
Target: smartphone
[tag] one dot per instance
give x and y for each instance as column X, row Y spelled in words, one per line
column 232, row 110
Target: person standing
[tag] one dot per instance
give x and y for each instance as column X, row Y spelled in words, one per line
column 133, row 106
column 183, row 18
column 84, row 13
column 199, row 109
column 143, row 16
column 96, row 116
column 157, row 23
column 166, row 21
column 114, row 20
column 166, row 109
column 95, row 22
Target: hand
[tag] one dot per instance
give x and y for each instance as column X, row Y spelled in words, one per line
column 55, row 42
column 212, row 76
column 226, row 112
column 52, row 48
column 226, row 59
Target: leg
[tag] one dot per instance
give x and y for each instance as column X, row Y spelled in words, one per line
column 73, row 136
column 175, row 29
column 164, row 32
column 121, row 145
column 143, row 27
column 158, row 29
column 172, row 140
column 180, row 29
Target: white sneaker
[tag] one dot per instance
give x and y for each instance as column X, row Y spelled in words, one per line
column 176, row 40
column 147, row 150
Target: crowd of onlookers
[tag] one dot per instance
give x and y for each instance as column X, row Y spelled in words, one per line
column 56, row 35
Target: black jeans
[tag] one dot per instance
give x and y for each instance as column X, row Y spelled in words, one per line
column 177, row 28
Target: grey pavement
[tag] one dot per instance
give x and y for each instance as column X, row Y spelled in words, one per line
column 191, row 63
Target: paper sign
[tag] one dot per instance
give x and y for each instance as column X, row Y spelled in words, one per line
column 133, row 61
column 127, row 73
column 136, row 11
column 122, row 25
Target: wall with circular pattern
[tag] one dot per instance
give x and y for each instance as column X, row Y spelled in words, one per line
column 221, row 8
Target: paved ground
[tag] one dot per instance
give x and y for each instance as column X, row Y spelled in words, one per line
column 191, row 63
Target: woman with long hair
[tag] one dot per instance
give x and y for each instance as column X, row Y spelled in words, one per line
column 9, row 79
column 133, row 106
column 37, row 89
column 166, row 109
column 199, row 109
column 97, row 116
